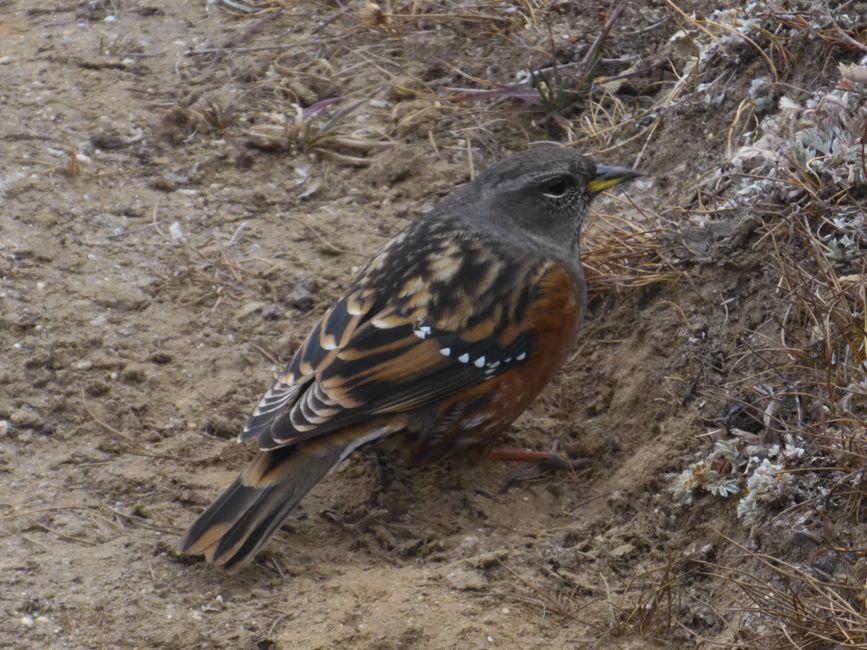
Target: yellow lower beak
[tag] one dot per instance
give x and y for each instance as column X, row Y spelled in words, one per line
column 607, row 177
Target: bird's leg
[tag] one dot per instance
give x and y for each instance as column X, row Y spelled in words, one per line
column 541, row 463
column 384, row 468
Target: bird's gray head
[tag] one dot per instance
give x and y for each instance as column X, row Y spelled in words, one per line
column 543, row 193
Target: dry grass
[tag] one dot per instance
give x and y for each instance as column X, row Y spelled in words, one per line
column 315, row 130
column 621, row 253
column 767, row 603
column 405, row 16
column 803, row 385
column 824, row 331
column 194, row 116
column 796, row 605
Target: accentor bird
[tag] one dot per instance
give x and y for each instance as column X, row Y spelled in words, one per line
column 445, row 337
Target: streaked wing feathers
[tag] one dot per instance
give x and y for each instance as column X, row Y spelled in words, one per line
column 334, row 330
column 378, row 355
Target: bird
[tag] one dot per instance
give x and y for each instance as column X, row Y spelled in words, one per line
column 442, row 340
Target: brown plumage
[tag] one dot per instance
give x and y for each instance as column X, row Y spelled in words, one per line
column 445, row 337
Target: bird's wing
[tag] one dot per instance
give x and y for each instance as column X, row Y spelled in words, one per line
column 385, row 349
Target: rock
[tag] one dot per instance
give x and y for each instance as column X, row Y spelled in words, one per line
column 97, row 389
column 623, row 550
column 108, row 141
column 176, row 232
column 160, row 358
column 271, row 312
column 120, row 297
column 162, row 185
column 220, row 426
column 301, row 295
column 469, row 545
column 406, row 87
column 488, row 559
column 249, row 308
column 26, row 418
column 133, row 375
column 464, row 579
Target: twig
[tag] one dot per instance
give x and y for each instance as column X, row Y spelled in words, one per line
column 71, row 538
column 327, row 243
column 137, row 521
column 109, row 428
column 25, row 513
column 138, row 448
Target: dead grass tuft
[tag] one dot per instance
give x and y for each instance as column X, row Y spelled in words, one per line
column 192, row 117
column 790, row 451
column 320, row 129
column 801, row 606
column 558, row 89
column 621, row 253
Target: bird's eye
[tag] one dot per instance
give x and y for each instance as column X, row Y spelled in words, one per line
column 558, row 186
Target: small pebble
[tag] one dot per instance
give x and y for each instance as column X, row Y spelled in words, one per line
column 160, row 358
column 271, row 312
column 177, row 179
column 27, row 620
column 301, row 295
column 469, row 545
column 623, row 550
column 27, row 418
column 177, row 232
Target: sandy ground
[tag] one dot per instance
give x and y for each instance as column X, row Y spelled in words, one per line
column 159, row 262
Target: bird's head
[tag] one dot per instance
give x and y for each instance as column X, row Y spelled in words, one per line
column 543, row 193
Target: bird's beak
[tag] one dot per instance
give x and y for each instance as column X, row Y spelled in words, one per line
column 607, row 177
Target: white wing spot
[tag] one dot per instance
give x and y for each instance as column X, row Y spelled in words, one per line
column 478, row 363
column 422, row 331
column 445, row 351
column 464, row 358
column 521, row 356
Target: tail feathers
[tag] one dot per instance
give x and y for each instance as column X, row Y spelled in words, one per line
column 233, row 528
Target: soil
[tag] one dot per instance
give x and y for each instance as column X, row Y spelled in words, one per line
column 160, row 260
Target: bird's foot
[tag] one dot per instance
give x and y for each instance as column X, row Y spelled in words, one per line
column 540, row 463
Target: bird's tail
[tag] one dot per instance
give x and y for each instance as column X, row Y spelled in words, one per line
column 235, row 526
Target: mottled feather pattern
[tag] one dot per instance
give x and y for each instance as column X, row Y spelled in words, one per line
column 444, row 338
column 365, row 352
column 534, row 348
